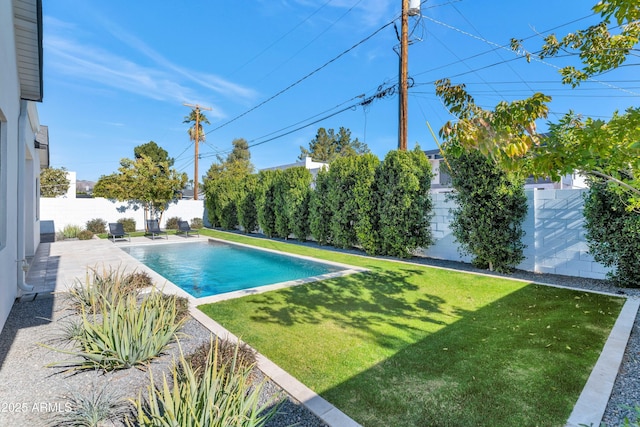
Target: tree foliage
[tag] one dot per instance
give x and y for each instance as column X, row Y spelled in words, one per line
column 601, row 47
column 328, row 146
column 198, row 119
column 320, row 212
column 143, row 183
column 292, row 202
column 508, row 134
column 53, row 182
column 491, row 206
column 350, row 182
column 247, row 207
column 613, row 233
column 404, row 206
column 225, row 185
column 267, row 201
column 154, row 152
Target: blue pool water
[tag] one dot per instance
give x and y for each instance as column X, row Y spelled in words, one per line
column 212, row 268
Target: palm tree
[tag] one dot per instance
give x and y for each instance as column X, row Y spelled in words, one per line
column 196, row 135
column 197, row 118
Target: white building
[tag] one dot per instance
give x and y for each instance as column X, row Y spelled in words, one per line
column 441, row 181
column 20, row 88
column 313, row 166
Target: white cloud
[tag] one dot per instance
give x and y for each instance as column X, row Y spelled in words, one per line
column 165, row 82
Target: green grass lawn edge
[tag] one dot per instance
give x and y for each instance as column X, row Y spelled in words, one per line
column 410, row 345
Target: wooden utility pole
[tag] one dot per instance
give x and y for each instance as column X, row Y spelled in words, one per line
column 403, row 81
column 197, row 109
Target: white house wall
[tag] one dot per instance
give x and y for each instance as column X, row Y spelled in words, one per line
column 17, row 121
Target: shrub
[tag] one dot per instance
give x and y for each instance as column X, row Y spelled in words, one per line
column 491, row 206
column 217, row 396
column 97, row 226
column 267, row 201
column 403, row 206
column 247, row 206
column 124, row 334
column 319, row 211
column 240, row 355
column 97, row 407
column 137, row 280
column 129, row 224
column 181, row 303
column 196, row 223
column 71, row 231
column 613, row 233
column 101, row 289
column 85, row 235
column 172, row 223
column 349, row 197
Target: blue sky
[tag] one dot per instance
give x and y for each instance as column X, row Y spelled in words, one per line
column 116, row 73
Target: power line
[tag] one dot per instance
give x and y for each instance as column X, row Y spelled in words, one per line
column 312, row 40
column 302, row 79
column 383, row 91
column 281, row 37
column 533, row 57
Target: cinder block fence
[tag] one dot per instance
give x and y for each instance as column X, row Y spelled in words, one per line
column 555, row 236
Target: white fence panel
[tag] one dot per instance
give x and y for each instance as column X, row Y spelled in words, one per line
column 70, row 211
column 555, row 236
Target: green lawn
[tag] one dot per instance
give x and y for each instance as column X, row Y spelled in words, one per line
column 406, row 345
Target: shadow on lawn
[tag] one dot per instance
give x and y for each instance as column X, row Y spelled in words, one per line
column 364, row 301
column 521, row 360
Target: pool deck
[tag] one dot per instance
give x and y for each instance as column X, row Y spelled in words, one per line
column 57, row 266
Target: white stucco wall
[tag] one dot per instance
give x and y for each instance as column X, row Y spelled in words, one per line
column 77, row 211
column 19, row 168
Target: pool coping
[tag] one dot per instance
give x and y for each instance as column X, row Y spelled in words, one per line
column 171, row 287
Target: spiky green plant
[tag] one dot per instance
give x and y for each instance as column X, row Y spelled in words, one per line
column 71, row 231
column 123, row 333
column 223, row 396
column 93, row 408
column 101, row 287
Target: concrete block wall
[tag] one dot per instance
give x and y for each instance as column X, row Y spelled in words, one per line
column 72, row 211
column 554, row 234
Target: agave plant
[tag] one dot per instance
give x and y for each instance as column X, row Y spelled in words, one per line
column 93, row 408
column 100, row 288
column 220, row 396
column 123, row 333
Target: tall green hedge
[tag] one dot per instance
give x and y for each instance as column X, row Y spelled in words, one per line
column 403, row 182
column 384, row 208
column 350, row 185
column 248, row 207
column 491, row 206
column 613, row 233
column 267, row 201
column 320, row 212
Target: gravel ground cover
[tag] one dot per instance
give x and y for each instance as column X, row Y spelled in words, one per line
column 32, row 394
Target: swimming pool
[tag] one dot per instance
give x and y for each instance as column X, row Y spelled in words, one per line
column 210, row 268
